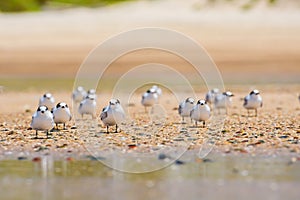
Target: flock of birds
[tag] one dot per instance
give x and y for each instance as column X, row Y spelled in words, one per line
column 49, row 116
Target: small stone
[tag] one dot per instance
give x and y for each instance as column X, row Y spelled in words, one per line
column 132, row 146
column 69, row 159
column 27, row 110
column 36, row 159
column 22, row 158
column 179, row 162
column 205, row 160
column 283, row 136
column 10, row 133
column 162, row 156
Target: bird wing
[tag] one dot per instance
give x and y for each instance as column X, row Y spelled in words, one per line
column 192, row 111
column 245, row 101
column 180, row 109
column 207, row 97
column 103, row 115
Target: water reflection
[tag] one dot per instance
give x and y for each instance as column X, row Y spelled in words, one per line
column 223, row 177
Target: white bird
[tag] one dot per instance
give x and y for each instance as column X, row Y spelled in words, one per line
column 149, row 98
column 47, row 100
column 185, row 108
column 88, row 106
column 78, row 94
column 61, row 114
column 200, row 112
column 223, row 101
column 113, row 114
column 42, row 120
column 157, row 90
column 210, row 96
column 253, row 101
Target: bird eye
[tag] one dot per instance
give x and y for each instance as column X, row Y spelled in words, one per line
column 66, row 106
column 58, row 105
column 45, row 96
column 39, row 109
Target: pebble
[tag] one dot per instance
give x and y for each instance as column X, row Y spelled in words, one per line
column 179, row 162
column 162, row 156
column 36, row 159
column 22, row 158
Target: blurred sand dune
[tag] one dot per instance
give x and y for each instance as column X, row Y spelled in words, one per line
column 258, row 45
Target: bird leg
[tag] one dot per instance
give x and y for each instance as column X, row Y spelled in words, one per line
column 255, row 112
column 248, row 113
column 47, row 132
column 64, row 126
column 203, row 124
column 196, row 123
column 36, row 134
column 116, row 128
column 107, row 129
column 182, row 120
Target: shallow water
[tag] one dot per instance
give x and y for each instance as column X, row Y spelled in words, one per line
column 226, row 177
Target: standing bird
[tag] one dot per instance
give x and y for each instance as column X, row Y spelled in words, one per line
column 42, row 120
column 253, row 101
column 185, row 108
column 61, row 114
column 79, row 94
column 210, row 96
column 149, row 98
column 200, row 112
column 157, row 90
column 47, row 100
column 88, row 106
column 223, row 101
column 113, row 114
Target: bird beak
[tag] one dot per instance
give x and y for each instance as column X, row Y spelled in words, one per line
column 42, row 112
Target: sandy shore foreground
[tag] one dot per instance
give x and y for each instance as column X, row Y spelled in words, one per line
column 275, row 130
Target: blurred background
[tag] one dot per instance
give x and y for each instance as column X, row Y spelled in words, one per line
column 43, row 42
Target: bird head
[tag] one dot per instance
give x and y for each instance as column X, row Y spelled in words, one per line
column 91, row 97
column 42, row 109
column 62, row 105
column 201, row 102
column 228, row 94
column 190, row 100
column 47, row 95
column 254, row 92
column 114, row 102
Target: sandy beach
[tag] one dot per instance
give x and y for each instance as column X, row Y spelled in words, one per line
column 154, row 156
